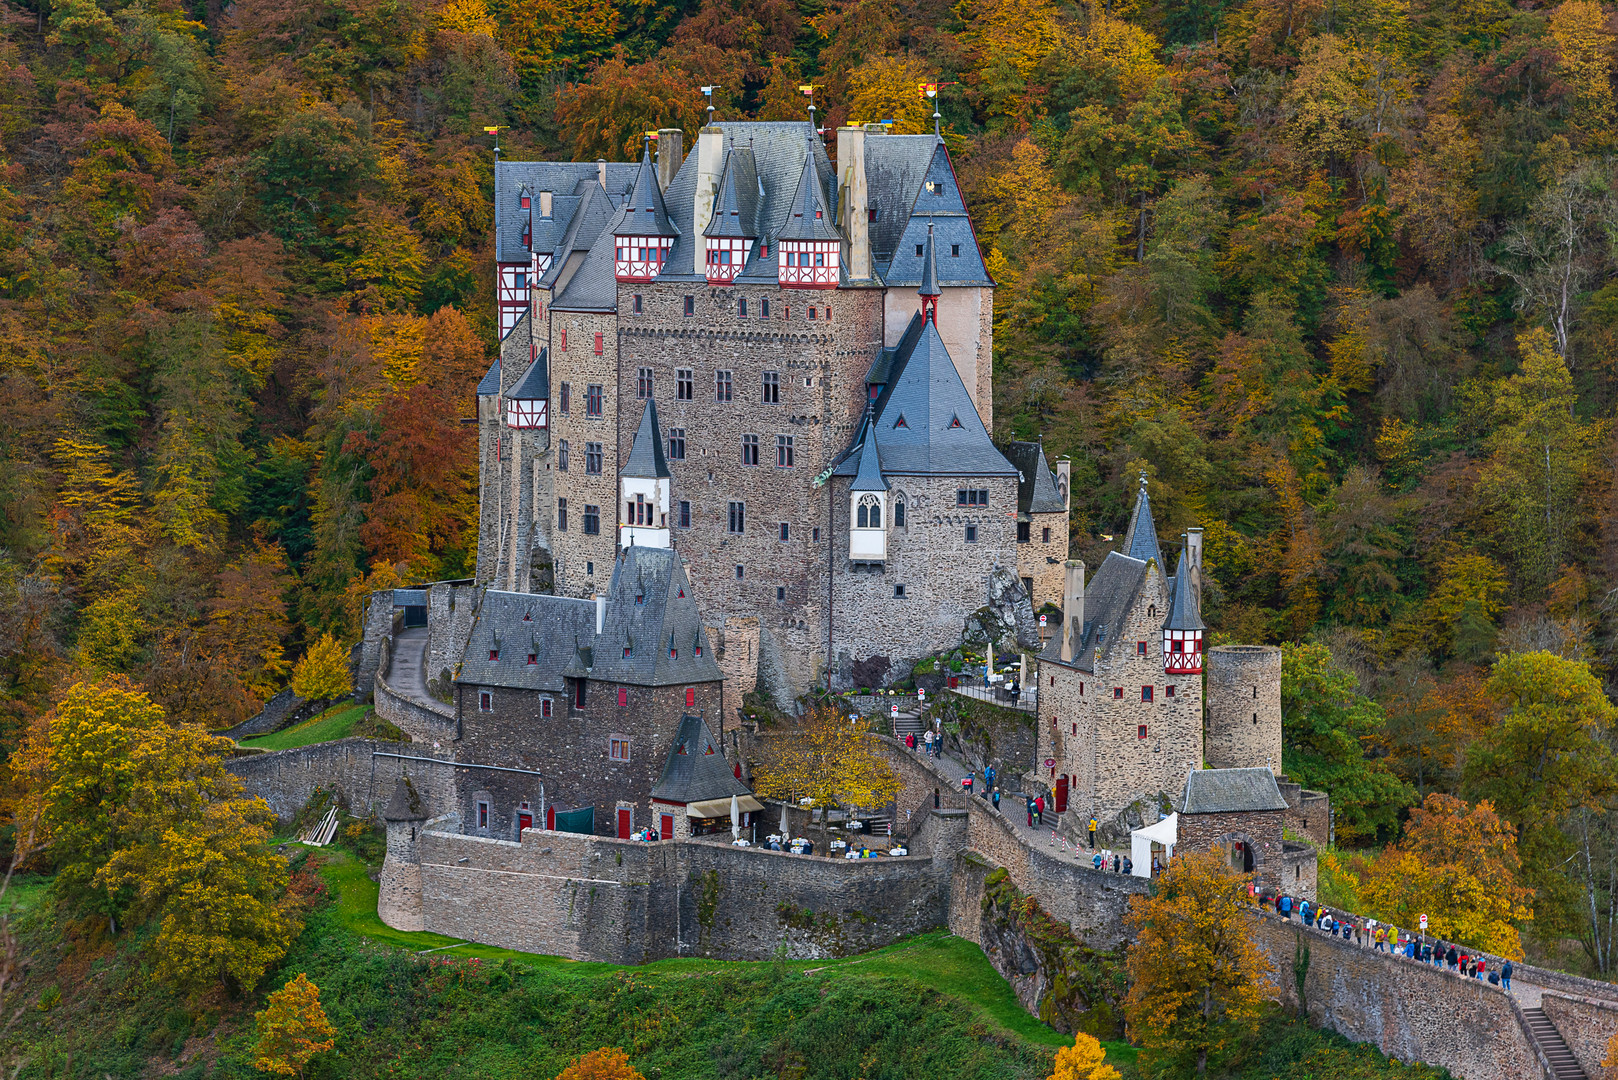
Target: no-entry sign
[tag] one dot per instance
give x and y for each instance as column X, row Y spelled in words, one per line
column 1424, row 922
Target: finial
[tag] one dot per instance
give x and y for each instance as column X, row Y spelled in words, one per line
column 1143, row 480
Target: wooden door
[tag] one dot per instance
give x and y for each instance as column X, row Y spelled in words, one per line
column 524, row 821
column 550, row 818
column 665, row 827
column 626, row 822
column 1061, row 795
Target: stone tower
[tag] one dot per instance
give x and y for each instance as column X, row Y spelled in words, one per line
column 399, row 902
column 1243, row 727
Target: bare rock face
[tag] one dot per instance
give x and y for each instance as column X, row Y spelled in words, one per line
column 1007, row 621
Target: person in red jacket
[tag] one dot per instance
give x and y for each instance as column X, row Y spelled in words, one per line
column 1039, row 811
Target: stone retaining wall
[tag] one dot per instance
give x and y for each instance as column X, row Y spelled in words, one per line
column 429, row 723
column 287, row 778
column 1587, row 1026
column 1408, row 1010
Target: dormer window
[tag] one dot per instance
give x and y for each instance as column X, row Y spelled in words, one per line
column 523, row 202
column 494, row 654
column 533, row 658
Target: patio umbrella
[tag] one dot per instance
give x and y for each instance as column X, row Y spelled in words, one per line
column 735, row 818
column 784, row 831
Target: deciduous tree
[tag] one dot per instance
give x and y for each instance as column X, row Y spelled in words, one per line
column 322, row 674
column 1084, row 1060
column 1197, row 980
column 607, row 1063
column 827, row 760
column 292, row 1029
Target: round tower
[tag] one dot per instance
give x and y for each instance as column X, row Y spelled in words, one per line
column 1243, row 726
column 399, row 901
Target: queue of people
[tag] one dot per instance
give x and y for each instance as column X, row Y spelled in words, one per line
column 1381, row 937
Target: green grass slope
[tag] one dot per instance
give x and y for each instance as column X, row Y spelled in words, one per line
column 335, row 723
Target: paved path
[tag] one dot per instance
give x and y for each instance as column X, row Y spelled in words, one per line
column 408, row 673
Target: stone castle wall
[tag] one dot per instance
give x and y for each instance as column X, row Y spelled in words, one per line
column 428, row 722
column 1244, row 707
column 1409, row 1011
column 349, row 767
column 583, row 561
column 1587, row 1025
column 450, row 611
column 1040, row 560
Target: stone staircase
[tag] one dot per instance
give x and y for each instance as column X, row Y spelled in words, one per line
column 1551, row 1045
column 906, row 723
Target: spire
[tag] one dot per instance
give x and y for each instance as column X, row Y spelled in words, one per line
column 646, row 460
column 809, row 219
column 734, row 207
column 929, row 290
column 869, row 477
column 1183, row 606
column 1140, row 542
column 644, row 213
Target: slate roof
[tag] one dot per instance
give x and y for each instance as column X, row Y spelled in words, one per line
column 489, row 385
column 1108, row 596
column 940, row 433
column 1228, row 791
column 929, row 267
column 869, row 477
column 535, row 384
column 643, row 212
column 562, row 179
column 696, row 769
column 405, row 805
column 650, row 611
column 594, row 212
column 811, row 215
column 1184, row 609
column 553, row 628
column 736, row 207
column 945, row 211
column 1140, row 541
column 594, row 285
column 646, row 459
column 895, row 166
column 1036, row 484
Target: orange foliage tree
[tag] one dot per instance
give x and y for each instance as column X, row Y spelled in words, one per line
column 607, row 1063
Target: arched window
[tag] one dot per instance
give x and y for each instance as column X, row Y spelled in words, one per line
column 899, row 514
column 869, row 514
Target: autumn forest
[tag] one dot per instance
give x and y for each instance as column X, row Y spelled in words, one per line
column 1337, row 275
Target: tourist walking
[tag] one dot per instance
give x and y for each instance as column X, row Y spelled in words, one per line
column 1028, row 800
column 997, row 798
column 935, row 798
column 1451, row 957
column 1505, row 975
column 1092, row 832
column 1039, row 811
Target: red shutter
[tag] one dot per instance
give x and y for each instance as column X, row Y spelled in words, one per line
column 690, row 697
column 623, row 697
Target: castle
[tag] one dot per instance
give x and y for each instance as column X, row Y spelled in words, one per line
column 777, row 367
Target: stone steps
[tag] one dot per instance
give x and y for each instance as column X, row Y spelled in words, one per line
column 905, row 723
column 1551, row 1044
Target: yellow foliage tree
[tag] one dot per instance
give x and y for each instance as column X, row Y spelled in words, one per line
column 1197, row 978
column 322, row 674
column 1579, row 28
column 292, row 1029
column 1458, row 865
column 885, row 88
column 607, row 1063
column 1084, row 1060
column 467, row 17
column 828, row 760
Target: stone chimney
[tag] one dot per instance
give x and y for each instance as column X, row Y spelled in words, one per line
column 670, row 153
column 1073, row 611
column 601, row 612
column 854, row 201
column 1064, row 481
column 1193, row 547
column 710, row 158
column 601, row 172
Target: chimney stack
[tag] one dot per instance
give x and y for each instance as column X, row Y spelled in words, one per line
column 710, row 158
column 1073, row 611
column 854, row 200
column 670, row 155
column 1064, row 479
column 601, row 172
column 601, row 612
column 1193, row 547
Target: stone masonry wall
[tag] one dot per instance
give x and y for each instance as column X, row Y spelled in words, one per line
column 450, row 609
column 1034, row 559
column 1586, row 1025
column 945, row 577
column 583, row 561
column 1260, row 829
column 381, row 622
column 1410, row 1011
column 1244, row 707
column 430, row 723
column 286, row 778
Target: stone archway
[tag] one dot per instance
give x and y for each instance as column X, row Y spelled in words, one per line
column 1241, row 854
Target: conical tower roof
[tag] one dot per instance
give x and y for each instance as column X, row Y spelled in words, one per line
column 1140, row 542
column 810, row 219
column 646, row 459
column 869, row 477
column 1184, row 613
column 645, row 214
column 736, row 207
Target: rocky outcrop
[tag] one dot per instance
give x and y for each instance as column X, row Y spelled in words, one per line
column 1006, row 623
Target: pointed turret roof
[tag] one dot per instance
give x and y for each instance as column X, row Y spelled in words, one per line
column 646, row 459
column 810, row 219
column 1140, row 542
column 869, row 477
column 735, row 210
column 1183, row 605
column 405, row 805
column 929, row 268
column 696, row 770
column 644, row 213
column 490, row 386
column 535, row 384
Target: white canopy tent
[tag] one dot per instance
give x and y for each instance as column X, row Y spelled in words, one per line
column 1165, row 832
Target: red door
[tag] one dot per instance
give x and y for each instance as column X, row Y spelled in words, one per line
column 550, row 818
column 665, row 827
column 524, row 821
column 1061, row 794
column 626, row 823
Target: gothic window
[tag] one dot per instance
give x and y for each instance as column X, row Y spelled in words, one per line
column 738, row 520
column 637, row 304
column 485, row 701
column 643, row 383
column 545, row 708
column 869, row 513
column 721, row 386
column 898, row 592
column 690, row 306
column 786, row 532
column 561, row 515
column 618, row 748
column 1045, row 535
column 971, row 534
column 685, row 514
column 899, row 514
column 677, row 444
column 1146, row 694
column 741, row 308
column 561, row 456
column 1022, row 532
column 592, row 520
column 566, row 390
column 764, row 309
column 592, row 400
column 972, row 497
